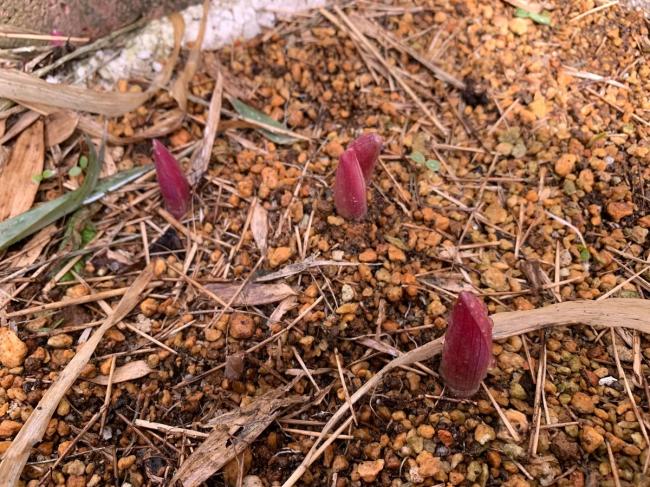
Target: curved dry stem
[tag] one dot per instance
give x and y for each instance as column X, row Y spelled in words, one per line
column 615, row 313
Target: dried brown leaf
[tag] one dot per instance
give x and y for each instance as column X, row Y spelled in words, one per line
column 59, row 126
column 131, row 371
column 234, row 432
column 24, row 121
column 252, row 294
column 281, row 309
column 26, row 160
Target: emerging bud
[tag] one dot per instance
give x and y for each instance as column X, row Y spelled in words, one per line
column 367, row 149
column 350, row 188
column 173, row 184
column 467, row 351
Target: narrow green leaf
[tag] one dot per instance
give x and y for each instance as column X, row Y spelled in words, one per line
column 21, row 226
column 74, row 171
column 48, row 173
column 543, row 18
column 105, row 186
column 249, row 112
column 83, row 162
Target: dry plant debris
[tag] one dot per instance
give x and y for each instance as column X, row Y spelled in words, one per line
column 261, row 339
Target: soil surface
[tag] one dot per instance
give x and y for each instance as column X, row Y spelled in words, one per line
column 515, row 166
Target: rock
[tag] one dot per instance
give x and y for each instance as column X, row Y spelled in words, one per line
column 232, row 468
column 63, row 409
column 340, row 463
column 510, row 361
column 126, row 462
column 517, row 420
column 9, row 428
column 347, row 293
column 496, row 213
column 368, row 471
column 565, row 164
column 582, row 403
column 279, row 256
column 347, row 308
column 12, row 349
column 544, row 469
column 484, row 433
column 446, row 437
column 637, row 234
column 564, row 448
column 517, row 391
column 395, row 254
column 334, row 148
column 590, row 439
column 60, row 341
column 428, row 465
column 620, row 209
column 242, row 326
column 426, row 431
column 149, row 307
column 495, row 279
column 212, row 334
column 252, row 481
column 76, row 481
column 75, row 467
column 519, row 26
column 368, row 255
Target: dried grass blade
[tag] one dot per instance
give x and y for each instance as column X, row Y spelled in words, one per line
column 179, row 88
column 201, row 158
column 297, row 268
column 32, row 431
column 252, row 294
column 22, row 87
column 167, row 123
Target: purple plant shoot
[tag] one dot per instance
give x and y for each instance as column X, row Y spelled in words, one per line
column 353, row 175
column 173, row 184
column 350, row 188
column 467, row 350
column 367, row 149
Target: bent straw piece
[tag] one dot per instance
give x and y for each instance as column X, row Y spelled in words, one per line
column 623, row 313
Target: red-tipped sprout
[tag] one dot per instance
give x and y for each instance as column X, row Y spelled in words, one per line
column 367, row 149
column 350, row 188
column 467, row 351
column 173, row 184
column 353, row 175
